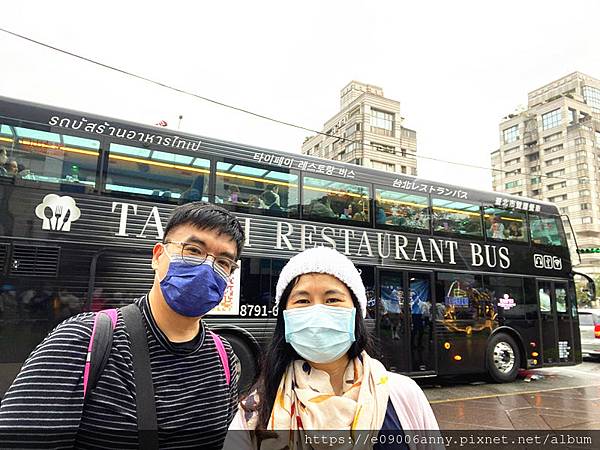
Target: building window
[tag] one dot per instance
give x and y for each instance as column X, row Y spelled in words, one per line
column 380, row 165
column 510, row 162
column 403, row 169
column 512, row 184
column 553, row 137
column 597, row 133
column 413, row 171
column 580, row 141
column 533, row 157
column 555, row 161
column 383, row 148
column 553, row 149
column 581, row 154
column 555, row 173
column 585, row 206
column 513, row 172
column 510, row 151
column 535, row 180
column 557, row 198
column 564, row 210
column 551, row 119
column 582, row 181
column 560, row 185
column 382, row 122
column 585, row 220
column 592, row 97
column 535, row 192
column 511, row 134
column 349, row 132
column 535, row 169
column 582, row 166
column 584, row 193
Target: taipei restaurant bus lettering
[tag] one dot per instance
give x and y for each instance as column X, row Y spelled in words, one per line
column 294, row 237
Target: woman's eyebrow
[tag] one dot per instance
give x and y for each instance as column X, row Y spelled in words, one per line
column 334, row 291
column 298, row 293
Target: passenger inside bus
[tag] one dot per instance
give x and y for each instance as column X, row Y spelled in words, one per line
column 359, row 213
column 321, row 207
column 3, row 160
column 194, row 192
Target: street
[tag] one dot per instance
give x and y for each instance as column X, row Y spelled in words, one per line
column 565, row 398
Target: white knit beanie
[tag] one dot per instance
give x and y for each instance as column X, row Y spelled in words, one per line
column 323, row 260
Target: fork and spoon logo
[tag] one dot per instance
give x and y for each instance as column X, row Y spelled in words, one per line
column 57, row 213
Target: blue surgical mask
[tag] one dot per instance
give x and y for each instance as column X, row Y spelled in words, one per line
column 320, row 333
column 193, row 290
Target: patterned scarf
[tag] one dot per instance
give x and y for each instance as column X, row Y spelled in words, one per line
column 306, row 401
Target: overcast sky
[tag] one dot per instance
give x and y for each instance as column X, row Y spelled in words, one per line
column 457, row 67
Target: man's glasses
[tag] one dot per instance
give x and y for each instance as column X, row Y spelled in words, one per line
column 194, row 255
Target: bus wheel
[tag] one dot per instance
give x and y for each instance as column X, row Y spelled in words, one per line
column 247, row 367
column 503, row 358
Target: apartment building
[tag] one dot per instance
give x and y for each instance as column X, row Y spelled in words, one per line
column 366, row 131
column 550, row 151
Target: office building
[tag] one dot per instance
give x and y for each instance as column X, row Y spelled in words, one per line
column 550, row 151
column 366, row 131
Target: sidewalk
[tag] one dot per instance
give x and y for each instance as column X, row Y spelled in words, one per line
column 559, row 409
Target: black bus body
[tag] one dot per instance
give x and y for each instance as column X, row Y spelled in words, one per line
column 458, row 280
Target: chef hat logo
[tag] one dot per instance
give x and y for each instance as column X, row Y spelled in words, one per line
column 57, row 213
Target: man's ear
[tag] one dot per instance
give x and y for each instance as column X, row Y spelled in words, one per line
column 157, row 250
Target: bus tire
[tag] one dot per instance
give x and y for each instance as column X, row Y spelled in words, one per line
column 503, row 358
column 248, row 365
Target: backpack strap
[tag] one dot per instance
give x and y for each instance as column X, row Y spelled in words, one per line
column 142, row 375
column 98, row 348
column 222, row 355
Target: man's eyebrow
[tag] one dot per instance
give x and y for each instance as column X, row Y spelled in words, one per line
column 198, row 241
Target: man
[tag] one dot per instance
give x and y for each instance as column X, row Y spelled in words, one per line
column 194, row 403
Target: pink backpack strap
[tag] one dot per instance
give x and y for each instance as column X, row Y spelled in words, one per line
column 112, row 314
column 222, row 355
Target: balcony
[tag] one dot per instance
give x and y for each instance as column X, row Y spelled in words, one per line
column 530, row 137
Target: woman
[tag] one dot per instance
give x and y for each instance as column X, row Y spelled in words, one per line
column 317, row 373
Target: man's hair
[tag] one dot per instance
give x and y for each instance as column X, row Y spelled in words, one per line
column 206, row 216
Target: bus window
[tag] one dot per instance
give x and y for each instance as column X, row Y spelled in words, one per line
column 507, row 296
column 546, row 230
column 49, row 157
column 401, row 210
column 454, row 217
column 461, row 297
column 329, row 199
column 159, row 175
column 505, row 225
column 256, row 187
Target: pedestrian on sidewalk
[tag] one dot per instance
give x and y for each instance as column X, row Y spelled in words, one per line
column 189, row 394
column 317, row 373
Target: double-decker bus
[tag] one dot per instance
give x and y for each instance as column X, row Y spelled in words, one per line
column 458, row 280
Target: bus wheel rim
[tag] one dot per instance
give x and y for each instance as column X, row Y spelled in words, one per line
column 504, row 357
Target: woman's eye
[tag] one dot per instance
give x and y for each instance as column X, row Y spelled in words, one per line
column 301, row 301
column 333, row 300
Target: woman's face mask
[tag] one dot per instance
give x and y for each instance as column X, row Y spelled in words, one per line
column 320, row 333
column 320, row 318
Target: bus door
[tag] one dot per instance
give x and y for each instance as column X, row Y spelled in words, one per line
column 556, row 330
column 405, row 326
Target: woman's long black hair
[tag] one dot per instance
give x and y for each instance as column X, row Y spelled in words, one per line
column 279, row 355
